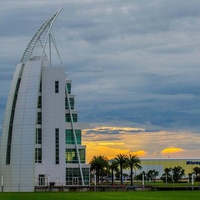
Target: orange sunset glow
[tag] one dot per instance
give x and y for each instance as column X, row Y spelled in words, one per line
column 111, row 141
column 172, row 150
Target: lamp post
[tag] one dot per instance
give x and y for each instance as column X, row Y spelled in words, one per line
column 95, row 178
column 192, row 180
column 143, row 181
column 95, row 182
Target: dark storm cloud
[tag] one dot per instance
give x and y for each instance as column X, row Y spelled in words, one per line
column 111, row 138
column 107, row 131
column 131, row 62
column 99, row 131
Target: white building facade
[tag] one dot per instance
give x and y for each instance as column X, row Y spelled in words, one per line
column 41, row 136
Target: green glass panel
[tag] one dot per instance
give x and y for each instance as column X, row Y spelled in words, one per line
column 75, row 172
column 68, row 119
column 69, row 88
column 39, row 102
column 71, row 156
column 70, row 137
column 71, row 103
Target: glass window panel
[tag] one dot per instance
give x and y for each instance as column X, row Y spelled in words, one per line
column 38, row 155
column 41, row 179
column 39, row 118
column 40, row 86
column 38, row 138
column 68, row 119
column 57, row 146
column 71, row 156
column 71, row 103
column 70, row 136
column 69, row 88
column 39, row 102
column 74, row 174
column 56, row 86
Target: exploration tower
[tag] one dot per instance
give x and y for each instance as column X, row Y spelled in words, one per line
column 41, row 136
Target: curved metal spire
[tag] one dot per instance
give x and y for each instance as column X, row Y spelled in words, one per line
column 36, row 46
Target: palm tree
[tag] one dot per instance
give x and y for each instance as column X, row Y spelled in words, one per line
column 134, row 163
column 98, row 164
column 121, row 160
column 113, row 167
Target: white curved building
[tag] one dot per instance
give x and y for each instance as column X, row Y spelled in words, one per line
column 41, row 135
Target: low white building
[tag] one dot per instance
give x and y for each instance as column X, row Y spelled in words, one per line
column 41, row 135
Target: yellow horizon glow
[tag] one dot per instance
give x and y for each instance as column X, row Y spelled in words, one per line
column 110, row 141
column 140, row 153
column 172, row 150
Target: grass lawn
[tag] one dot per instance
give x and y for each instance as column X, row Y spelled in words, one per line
column 146, row 195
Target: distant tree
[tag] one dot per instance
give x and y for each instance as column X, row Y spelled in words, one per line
column 178, row 172
column 139, row 176
column 99, row 164
column 134, row 163
column 166, row 176
column 152, row 174
column 173, row 174
column 117, row 175
column 121, row 160
column 197, row 173
column 167, row 171
column 125, row 176
column 190, row 177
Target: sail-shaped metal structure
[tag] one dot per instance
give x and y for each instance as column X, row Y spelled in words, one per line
column 36, row 46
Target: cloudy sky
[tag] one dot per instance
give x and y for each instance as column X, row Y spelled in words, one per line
column 135, row 67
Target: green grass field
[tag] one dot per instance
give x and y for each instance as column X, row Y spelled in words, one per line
column 150, row 195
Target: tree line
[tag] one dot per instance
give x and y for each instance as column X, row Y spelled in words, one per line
column 176, row 173
column 172, row 174
column 102, row 167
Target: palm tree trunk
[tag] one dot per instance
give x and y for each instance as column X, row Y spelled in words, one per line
column 131, row 176
column 112, row 176
column 97, row 176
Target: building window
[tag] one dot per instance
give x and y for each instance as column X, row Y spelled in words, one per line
column 38, row 155
column 71, row 103
column 71, row 156
column 73, row 176
column 86, row 175
column 40, row 86
column 9, row 141
column 69, row 136
column 57, row 145
column 68, row 119
column 41, row 180
column 56, row 86
column 38, row 137
column 69, row 88
column 39, row 118
column 39, row 102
